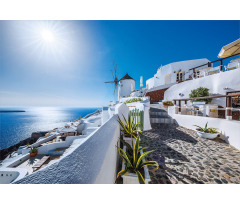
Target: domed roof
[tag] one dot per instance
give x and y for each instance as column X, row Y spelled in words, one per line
column 126, row 77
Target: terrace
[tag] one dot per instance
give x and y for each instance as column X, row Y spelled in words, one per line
column 231, row 112
column 32, row 161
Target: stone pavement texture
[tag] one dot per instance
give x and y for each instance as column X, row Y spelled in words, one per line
column 185, row 158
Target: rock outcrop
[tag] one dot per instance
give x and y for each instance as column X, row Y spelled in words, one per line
column 34, row 137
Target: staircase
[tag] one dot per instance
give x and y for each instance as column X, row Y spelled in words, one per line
column 159, row 115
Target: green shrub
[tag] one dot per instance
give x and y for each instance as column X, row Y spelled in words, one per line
column 168, row 103
column 200, row 92
column 133, row 100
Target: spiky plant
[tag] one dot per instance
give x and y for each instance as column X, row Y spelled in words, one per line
column 33, row 149
column 133, row 160
column 206, row 129
column 129, row 128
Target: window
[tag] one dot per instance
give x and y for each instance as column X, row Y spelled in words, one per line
column 180, row 76
column 196, row 74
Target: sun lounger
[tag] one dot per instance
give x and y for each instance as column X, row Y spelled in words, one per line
column 40, row 162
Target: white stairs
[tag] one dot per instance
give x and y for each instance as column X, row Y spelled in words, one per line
column 159, row 114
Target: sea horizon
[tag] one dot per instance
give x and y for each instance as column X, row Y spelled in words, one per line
column 17, row 126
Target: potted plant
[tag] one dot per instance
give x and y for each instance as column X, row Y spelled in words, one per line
column 209, row 133
column 33, row 151
column 134, row 167
column 167, row 103
column 129, row 129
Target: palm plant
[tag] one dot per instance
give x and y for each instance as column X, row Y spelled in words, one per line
column 129, row 128
column 206, row 129
column 133, row 160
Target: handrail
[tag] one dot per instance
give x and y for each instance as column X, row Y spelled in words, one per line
column 214, row 61
column 207, row 97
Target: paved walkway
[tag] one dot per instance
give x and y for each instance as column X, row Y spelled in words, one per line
column 189, row 158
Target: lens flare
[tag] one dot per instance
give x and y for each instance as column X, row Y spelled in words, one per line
column 47, row 36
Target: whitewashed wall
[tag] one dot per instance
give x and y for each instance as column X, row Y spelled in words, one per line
column 122, row 110
column 230, row 130
column 215, row 83
column 90, row 160
column 52, row 146
column 125, row 88
column 166, row 75
column 150, row 83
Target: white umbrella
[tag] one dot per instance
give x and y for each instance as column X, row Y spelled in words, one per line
column 230, row 49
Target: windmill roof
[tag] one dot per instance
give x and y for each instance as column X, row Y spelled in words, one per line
column 126, row 77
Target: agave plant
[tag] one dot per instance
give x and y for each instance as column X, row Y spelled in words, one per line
column 206, row 129
column 33, row 149
column 133, row 160
column 129, row 128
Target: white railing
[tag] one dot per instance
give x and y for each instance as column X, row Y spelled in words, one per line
column 233, row 65
column 212, row 112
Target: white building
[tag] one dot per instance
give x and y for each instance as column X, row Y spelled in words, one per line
column 177, row 71
column 126, row 86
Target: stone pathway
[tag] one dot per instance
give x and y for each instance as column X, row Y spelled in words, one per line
column 189, row 158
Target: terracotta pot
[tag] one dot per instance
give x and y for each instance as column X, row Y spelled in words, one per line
column 167, row 105
column 33, row 154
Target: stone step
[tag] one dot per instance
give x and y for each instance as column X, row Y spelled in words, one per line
column 162, row 120
column 158, row 110
column 157, row 116
column 160, row 114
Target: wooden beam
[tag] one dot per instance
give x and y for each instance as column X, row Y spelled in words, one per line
column 221, row 65
column 214, row 61
column 179, row 106
column 208, row 97
column 229, row 105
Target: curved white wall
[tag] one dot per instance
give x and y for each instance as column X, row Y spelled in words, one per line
column 229, row 129
column 89, row 160
column 215, row 83
column 125, row 88
column 166, row 75
column 8, row 175
column 150, row 83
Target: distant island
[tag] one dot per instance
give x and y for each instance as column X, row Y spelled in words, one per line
column 7, row 111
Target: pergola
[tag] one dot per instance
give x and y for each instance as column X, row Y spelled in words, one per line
column 228, row 97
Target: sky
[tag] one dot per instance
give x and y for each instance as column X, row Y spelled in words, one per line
column 65, row 63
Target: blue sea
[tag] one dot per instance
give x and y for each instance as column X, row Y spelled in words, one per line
column 17, row 126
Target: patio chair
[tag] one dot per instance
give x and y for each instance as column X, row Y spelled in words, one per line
column 40, row 162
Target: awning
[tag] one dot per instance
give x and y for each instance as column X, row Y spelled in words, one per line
column 230, row 49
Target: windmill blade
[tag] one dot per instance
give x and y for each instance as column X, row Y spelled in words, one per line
column 109, row 82
column 115, row 89
column 112, row 74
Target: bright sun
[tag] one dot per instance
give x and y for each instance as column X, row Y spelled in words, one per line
column 47, row 36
